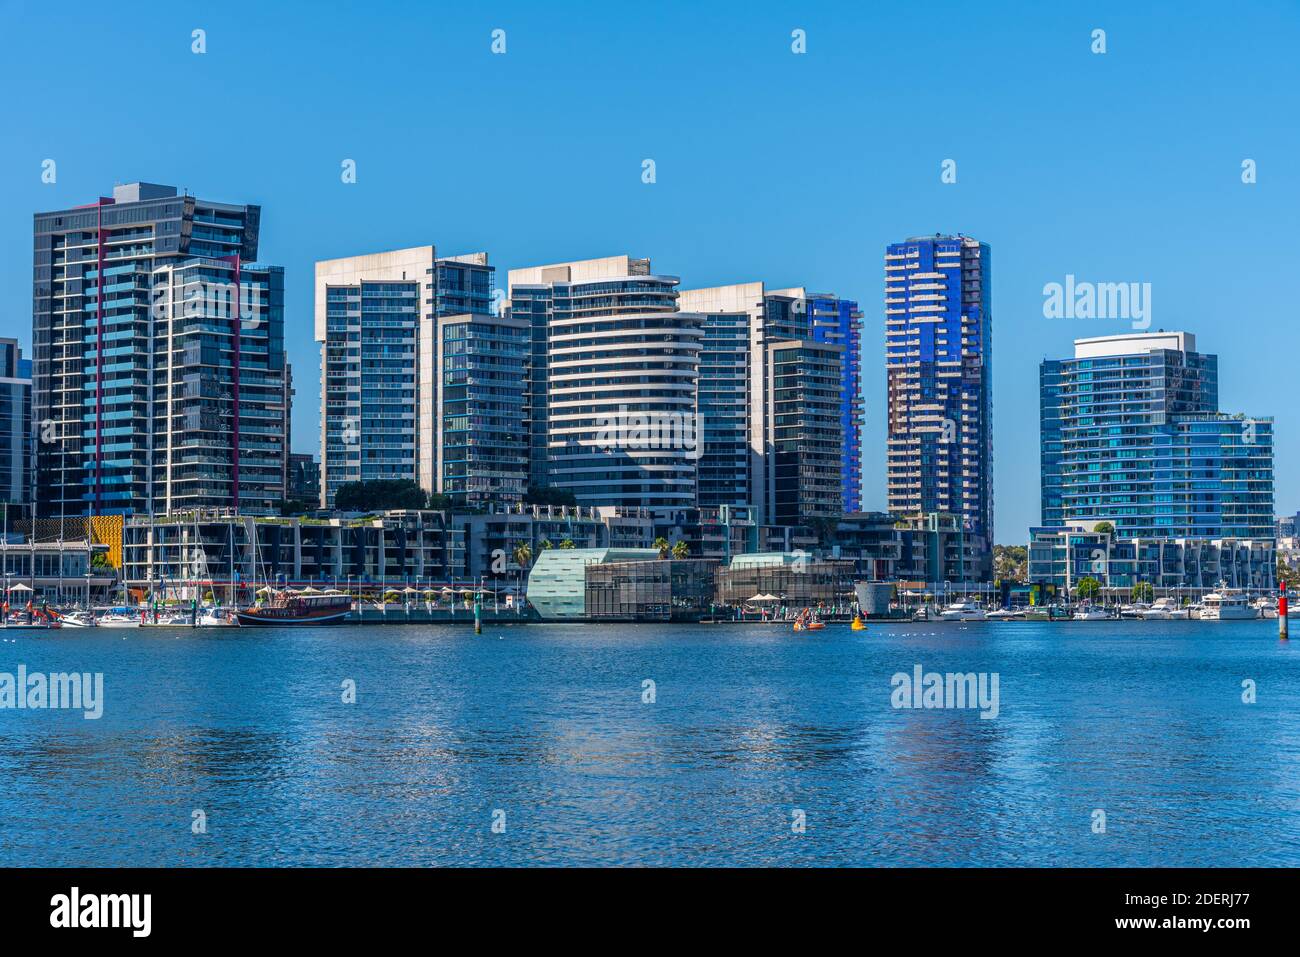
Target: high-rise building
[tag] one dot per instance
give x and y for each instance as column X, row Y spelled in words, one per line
column 481, row 443
column 376, row 320
column 1132, row 435
column 804, row 431
column 15, row 424
column 613, row 363
column 218, row 399
column 129, row 382
column 751, row 316
column 939, row 363
column 723, row 469
column 304, row 478
column 839, row 322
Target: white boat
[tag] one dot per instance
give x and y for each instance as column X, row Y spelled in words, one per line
column 1266, row 607
column 1091, row 613
column 77, row 619
column 170, row 620
column 1137, row 609
column 1227, row 604
column 1194, row 610
column 1165, row 609
column 1004, row 614
column 113, row 620
column 962, row 611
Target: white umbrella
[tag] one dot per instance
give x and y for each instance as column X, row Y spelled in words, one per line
column 20, row 587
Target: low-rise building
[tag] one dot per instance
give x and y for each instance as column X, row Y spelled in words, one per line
column 791, row 578
column 232, row 555
column 557, row 583
column 650, row 590
column 1063, row 556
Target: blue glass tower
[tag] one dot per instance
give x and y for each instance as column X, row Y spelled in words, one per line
column 1132, row 435
column 939, row 362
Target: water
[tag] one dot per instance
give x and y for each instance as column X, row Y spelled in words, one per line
column 1144, row 721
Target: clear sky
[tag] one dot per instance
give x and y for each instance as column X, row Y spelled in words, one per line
column 795, row 169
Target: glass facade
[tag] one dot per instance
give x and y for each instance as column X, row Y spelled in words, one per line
column 1135, row 438
column 15, row 425
column 377, row 321
column 723, row 475
column 1063, row 556
column 96, row 341
column 839, row 322
column 805, row 433
column 370, row 377
column 939, row 362
column 660, row 590
column 482, row 444
column 218, row 405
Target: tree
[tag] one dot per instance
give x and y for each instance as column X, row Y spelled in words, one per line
column 1087, row 588
column 522, row 554
column 1143, row 591
column 1104, row 528
column 1285, row 573
column 681, row 550
column 537, row 495
column 100, row 560
column 824, row 528
column 379, row 495
column 545, row 544
column 661, row 544
column 567, row 544
column 1010, row 563
column 439, row 502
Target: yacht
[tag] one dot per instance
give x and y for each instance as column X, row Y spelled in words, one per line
column 1091, row 613
column 962, row 611
column 1227, row 605
column 1266, row 607
column 1004, row 614
column 1165, row 609
column 1137, row 609
column 117, row 620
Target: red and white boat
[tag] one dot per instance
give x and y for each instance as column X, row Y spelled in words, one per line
column 288, row 608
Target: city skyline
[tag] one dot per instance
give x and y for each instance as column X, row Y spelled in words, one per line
column 1099, row 217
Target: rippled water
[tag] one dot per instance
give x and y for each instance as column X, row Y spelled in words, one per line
column 750, row 724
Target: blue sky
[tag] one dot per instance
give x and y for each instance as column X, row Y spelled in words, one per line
column 795, row 169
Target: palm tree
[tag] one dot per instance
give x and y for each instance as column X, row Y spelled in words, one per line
column 523, row 556
column 661, row 544
column 681, row 550
column 544, row 544
column 568, row 543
